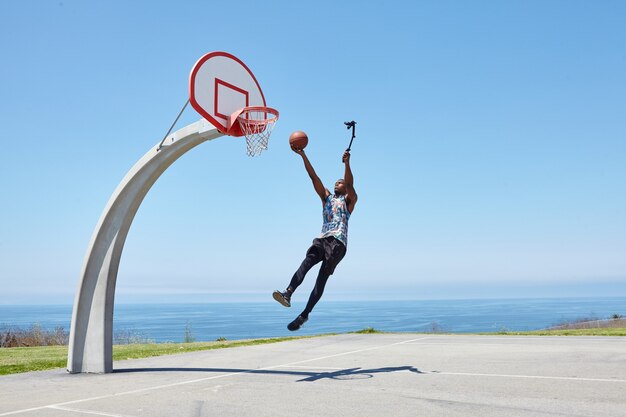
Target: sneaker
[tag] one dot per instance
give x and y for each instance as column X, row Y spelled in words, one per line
column 282, row 297
column 297, row 323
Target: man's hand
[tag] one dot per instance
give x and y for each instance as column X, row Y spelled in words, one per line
column 297, row 150
column 346, row 157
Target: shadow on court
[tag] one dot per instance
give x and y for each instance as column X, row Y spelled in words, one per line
column 434, row 375
column 343, row 374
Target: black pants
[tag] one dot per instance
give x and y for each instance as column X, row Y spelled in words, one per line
column 330, row 252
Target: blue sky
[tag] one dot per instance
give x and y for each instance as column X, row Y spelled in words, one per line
column 490, row 157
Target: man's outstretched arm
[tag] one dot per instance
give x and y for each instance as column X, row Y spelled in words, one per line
column 317, row 183
column 348, row 179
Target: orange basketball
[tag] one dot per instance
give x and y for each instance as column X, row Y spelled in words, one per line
column 298, row 139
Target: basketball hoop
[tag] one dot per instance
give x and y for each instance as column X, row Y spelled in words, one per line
column 256, row 124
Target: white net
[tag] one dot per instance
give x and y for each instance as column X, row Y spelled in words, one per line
column 257, row 124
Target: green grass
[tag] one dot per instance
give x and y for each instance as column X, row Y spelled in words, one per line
column 368, row 330
column 569, row 332
column 26, row 359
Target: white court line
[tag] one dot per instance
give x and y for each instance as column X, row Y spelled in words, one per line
column 349, row 353
column 563, row 378
column 486, row 338
column 202, row 379
column 97, row 413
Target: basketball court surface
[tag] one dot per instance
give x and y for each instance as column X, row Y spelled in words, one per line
column 346, row 375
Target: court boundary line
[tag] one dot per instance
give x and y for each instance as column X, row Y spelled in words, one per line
column 294, row 364
column 330, row 368
column 603, row 339
column 203, row 379
column 97, row 413
column 563, row 378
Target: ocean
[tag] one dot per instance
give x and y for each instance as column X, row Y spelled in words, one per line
column 235, row 321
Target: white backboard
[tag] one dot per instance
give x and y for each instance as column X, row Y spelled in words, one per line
column 220, row 84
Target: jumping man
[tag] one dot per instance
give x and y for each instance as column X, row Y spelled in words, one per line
column 330, row 247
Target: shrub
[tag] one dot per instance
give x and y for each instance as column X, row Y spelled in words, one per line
column 130, row 337
column 189, row 337
column 368, row 330
column 435, row 327
column 35, row 336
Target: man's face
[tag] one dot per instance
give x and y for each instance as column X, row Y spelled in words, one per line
column 340, row 187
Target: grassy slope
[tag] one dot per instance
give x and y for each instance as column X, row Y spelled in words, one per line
column 571, row 332
column 25, row 359
column 16, row 360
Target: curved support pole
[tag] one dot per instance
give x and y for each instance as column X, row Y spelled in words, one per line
column 91, row 334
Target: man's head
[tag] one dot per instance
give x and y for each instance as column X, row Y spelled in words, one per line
column 340, row 187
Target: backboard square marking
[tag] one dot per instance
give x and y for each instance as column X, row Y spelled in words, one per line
column 232, row 90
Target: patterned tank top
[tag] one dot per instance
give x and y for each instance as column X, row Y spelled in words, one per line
column 336, row 217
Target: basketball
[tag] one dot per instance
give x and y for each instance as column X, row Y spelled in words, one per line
column 298, row 139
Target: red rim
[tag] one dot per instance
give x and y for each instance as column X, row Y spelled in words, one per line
column 268, row 110
column 236, row 120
